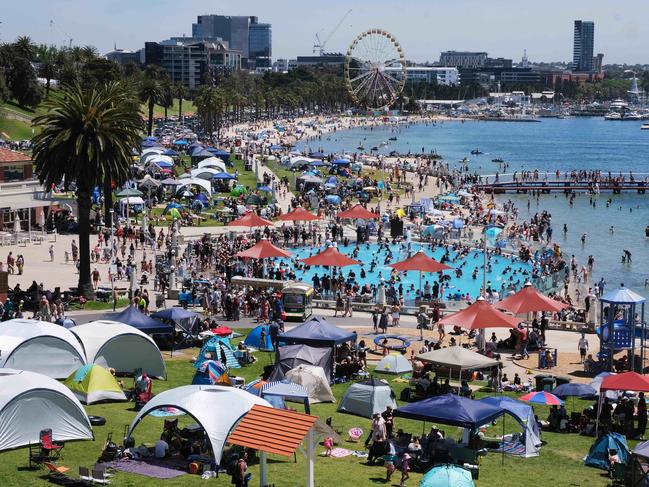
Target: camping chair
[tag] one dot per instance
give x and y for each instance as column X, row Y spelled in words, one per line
column 36, row 455
column 617, row 472
column 54, row 469
column 99, row 477
column 49, row 447
column 84, row 474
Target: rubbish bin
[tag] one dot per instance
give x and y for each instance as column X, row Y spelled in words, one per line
column 548, row 384
column 563, row 380
column 539, row 381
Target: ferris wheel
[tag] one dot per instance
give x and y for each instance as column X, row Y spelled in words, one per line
column 375, row 69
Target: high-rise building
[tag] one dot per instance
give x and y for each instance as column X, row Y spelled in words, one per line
column 242, row 33
column 582, row 54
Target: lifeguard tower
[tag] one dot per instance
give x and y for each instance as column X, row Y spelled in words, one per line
column 622, row 323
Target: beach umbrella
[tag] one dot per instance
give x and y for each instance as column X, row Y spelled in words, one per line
column 574, row 389
column 529, row 300
column 251, row 220
column 330, row 257
column 447, row 476
column 419, row 262
column 333, row 199
column 480, row 315
column 358, row 212
column 341, row 162
column 299, row 214
column 263, row 250
column 542, row 397
column 128, row 192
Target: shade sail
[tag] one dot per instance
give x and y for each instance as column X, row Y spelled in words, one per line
column 420, row 262
column 330, row 257
column 627, row 381
column 250, row 220
column 480, row 315
column 458, row 358
column 451, row 409
column 358, row 212
column 133, row 317
column 299, row 214
column 529, row 300
column 316, row 332
column 263, row 250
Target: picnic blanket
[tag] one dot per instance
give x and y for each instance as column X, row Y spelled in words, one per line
column 510, row 447
column 340, row 452
column 148, row 467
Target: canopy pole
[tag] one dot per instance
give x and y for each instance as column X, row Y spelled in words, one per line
column 503, row 444
column 599, row 411
column 262, row 468
column 309, row 471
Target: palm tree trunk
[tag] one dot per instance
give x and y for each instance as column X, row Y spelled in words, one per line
column 150, row 124
column 108, row 201
column 83, row 206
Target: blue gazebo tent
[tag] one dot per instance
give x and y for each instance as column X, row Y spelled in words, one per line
column 447, row 476
column 254, row 339
column 178, row 316
column 598, row 454
column 133, row 317
column 451, row 409
column 317, row 332
column 524, row 414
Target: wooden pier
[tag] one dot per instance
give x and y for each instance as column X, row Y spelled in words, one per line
column 564, row 186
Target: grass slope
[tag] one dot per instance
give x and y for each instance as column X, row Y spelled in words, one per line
column 559, row 464
column 15, row 129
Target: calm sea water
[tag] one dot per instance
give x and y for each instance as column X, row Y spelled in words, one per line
column 550, row 145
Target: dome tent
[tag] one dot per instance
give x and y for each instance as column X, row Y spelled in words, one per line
column 31, row 402
column 93, row 383
column 394, row 363
column 41, row 347
column 290, row 356
column 215, row 408
column 121, row 347
column 367, row 398
column 314, row 380
column 598, row 455
column 254, row 338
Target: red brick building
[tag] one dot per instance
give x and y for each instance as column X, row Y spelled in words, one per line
column 15, row 166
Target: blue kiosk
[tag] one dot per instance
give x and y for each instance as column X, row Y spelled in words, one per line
column 622, row 322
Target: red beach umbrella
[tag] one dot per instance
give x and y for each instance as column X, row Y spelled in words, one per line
column 250, row 220
column 529, row 300
column 263, row 250
column 358, row 212
column 627, row 381
column 299, row 214
column 420, row 262
column 542, row 397
column 480, row 315
column 330, row 257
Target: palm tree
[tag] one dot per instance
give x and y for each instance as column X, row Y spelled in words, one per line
column 86, row 136
column 150, row 93
column 180, row 91
column 25, row 48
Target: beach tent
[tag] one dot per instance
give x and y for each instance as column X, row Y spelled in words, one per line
column 93, row 383
column 314, row 380
column 367, row 397
column 135, row 318
column 317, row 332
column 598, row 455
column 451, row 409
column 447, row 476
column 290, row 356
column 215, row 408
column 394, row 363
column 524, row 414
column 212, row 162
column 215, row 349
column 202, row 183
column 121, row 347
column 205, row 172
column 209, row 372
column 31, row 402
column 458, row 358
column 254, row 338
column 39, row 346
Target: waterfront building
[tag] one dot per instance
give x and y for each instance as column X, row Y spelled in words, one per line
column 491, row 76
column 584, row 40
column 441, row 75
column 463, row 59
column 190, row 62
column 327, row 59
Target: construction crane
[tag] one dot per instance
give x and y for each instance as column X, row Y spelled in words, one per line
column 64, row 35
column 319, row 46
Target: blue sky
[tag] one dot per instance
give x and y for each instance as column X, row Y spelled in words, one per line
column 424, row 27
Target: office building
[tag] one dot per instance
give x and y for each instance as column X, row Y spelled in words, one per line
column 260, row 44
column 190, row 62
column 584, row 40
column 441, row 75
column 463, row 59
column 327, row 59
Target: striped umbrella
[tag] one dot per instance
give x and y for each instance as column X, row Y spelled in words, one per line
column 542, row 397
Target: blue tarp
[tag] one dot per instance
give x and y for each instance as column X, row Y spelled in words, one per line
column 598, row 454
column 133, row 317
column 254, row 338
column 316, row 332
column 451, row 409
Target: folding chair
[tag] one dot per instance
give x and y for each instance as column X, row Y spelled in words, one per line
column 50, row 447
column 52, row 468
column 99, row 477
column 84, row 474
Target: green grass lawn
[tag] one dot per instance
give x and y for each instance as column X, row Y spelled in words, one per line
column 15, row 129
column 100, row 305
column 559, row 464
column 280, row 171
column 158, row 111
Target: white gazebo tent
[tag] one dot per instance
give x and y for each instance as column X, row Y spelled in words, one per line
column 194, row 182
column 31, row 402
column 457, row 359
column 213, row 162
column 39, row 346
column 215, row 408
column 121, row 347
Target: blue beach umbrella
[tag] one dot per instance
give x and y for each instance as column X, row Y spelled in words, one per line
column 224, row 175
column 447, row 476
column 181, row 142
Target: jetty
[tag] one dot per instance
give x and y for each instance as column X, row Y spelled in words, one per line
column 617, row 185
